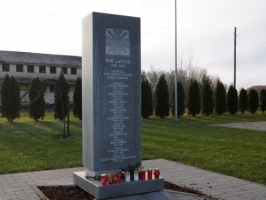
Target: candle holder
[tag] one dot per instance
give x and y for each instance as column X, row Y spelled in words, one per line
column 140, row 169
column 109, row 179
column 127, row 176
column 117, row 178
column 156, row 172
column 149, row 173
column 103, row 179
column 136, row 175
column 143, row 175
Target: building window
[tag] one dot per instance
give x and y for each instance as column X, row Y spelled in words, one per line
column 52, row 88
column 73, row 70
column 42, row 69
column 30, row 68
column 5, row 67
column 19, row 68
column 52, row 70
column 64, row 69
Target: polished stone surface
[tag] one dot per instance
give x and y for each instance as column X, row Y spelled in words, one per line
column 111, row 92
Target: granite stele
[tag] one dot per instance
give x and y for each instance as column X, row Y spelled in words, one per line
column 111, row 101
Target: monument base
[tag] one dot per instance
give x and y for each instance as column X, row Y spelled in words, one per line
column 123, row 188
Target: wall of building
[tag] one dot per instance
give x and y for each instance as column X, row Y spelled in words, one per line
column 25, row 75
column 46, row 75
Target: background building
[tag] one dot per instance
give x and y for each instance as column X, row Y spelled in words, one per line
column 26, row 66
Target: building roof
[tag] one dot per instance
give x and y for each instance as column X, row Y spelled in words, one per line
column 15, row 57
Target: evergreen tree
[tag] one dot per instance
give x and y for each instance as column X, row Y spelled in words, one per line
column 162, row 96
column 146, row 97
column 206, row 98
column 5, row 104
column 61, row 90
column 220, row 98
column 10, row 98
column 180, row 100
column 0, row 95
column 263, row 100
column 36, row 96
column 243, row 101
column 193, row 98
column 232, row 100
column 77, row 99
column 253, row 101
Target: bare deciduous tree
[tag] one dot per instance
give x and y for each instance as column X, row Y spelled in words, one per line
column 188, row 70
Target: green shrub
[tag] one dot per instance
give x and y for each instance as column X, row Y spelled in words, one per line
column 37, row 102
column 162, row 96
column 10, row 98
column 180, row 100
column 77, row 99
column 243, row 101
column 253, row 101
column 61, row 97
column 193, row 98
column 206, row 98
column 146, row 97
column 232, row 100
column 220, row 98
column 263, row 100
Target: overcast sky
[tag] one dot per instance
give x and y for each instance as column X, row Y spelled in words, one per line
column 205, row 29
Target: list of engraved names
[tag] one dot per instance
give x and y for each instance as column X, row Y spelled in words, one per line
column 118, row 79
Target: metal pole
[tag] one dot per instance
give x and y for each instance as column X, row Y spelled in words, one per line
column 68, row 115
column 235, row 59
column 176, row 109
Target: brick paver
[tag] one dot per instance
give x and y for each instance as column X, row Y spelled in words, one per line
column 210, row 183
column 17, row 186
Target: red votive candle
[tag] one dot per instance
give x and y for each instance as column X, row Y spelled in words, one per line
column 143, row 175
column 149, row 173
column 103, row 179
column 156, row 172
column 117, row 178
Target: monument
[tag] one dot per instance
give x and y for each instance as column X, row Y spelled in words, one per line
column 111, row 101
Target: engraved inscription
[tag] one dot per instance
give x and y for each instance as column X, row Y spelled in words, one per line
column 119, row 96
column 117, row 42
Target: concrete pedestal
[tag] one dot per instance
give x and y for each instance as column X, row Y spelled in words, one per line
column 123, row 188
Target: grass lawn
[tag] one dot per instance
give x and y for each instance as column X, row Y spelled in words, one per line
column 26, row 145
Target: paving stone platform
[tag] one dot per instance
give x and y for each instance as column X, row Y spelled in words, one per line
column 17, row 186
column 259, row 126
